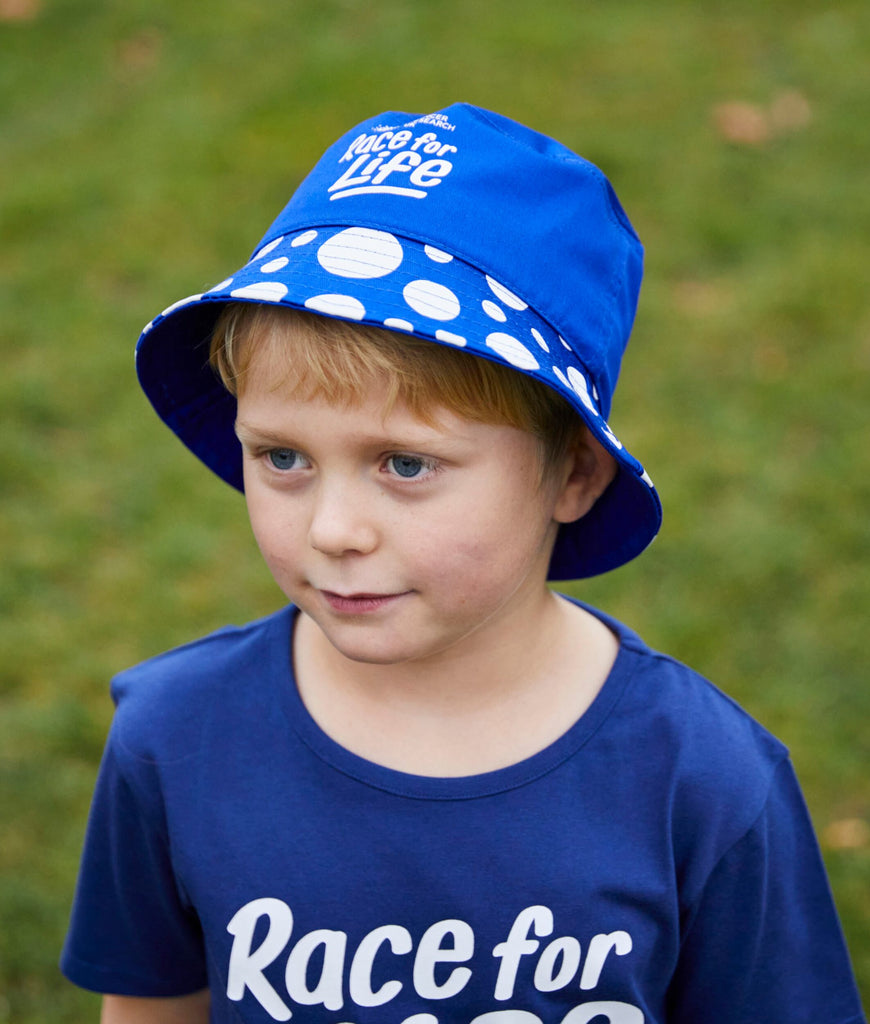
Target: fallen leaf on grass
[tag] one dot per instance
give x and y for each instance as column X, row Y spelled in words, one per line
column 19, row 10
column 745, row 124
column 753, row 124
column 847, row 834
column 141, row 51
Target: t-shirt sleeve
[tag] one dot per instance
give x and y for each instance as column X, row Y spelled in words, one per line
column 763, row 943
column 132, row 930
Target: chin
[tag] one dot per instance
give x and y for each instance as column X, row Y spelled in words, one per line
column 374, row 652
column 377, row 646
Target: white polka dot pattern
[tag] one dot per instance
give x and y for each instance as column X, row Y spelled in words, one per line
column 267, row 249
column 397, row 324
column 508, row 298
column 513, row 350
column 181, row 302
column 437, row 255
column 539, row 338
column 273, row 266
column 304, row 239
column 451, row 339
column 361, row 253
column 493, row 311
column 580, row 385
column 432, row 300
column 337, row 305
column 562, row 378
column 264, row 291
column 613, row 439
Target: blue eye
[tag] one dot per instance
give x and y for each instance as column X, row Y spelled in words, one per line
column 284, row 458
column 408, row 466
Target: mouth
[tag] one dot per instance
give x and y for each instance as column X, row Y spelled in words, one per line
column 359, row 604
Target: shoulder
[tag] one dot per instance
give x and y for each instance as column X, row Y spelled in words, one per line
column 686, row 712
column 701, row 719
column 699, row 750
column 162, row 702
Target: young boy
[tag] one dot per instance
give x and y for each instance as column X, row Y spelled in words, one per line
column 430, row 790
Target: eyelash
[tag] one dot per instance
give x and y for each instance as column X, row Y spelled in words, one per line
column 428, row 466
column 272, row 452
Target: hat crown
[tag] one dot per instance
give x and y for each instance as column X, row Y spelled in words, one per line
column 514, row 203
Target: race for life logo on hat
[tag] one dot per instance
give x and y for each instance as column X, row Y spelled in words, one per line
column 404, row 160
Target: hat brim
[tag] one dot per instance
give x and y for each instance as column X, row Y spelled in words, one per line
column 370, row 276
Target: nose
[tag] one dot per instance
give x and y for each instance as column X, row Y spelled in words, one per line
column 341, row 521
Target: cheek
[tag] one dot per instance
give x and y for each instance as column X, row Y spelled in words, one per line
column 478, row 553
column 274, row 535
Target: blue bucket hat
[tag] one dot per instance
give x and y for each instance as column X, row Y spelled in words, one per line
column 463, row 228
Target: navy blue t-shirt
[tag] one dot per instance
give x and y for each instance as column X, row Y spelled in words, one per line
column 655, row 864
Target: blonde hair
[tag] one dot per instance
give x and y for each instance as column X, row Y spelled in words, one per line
column 340, row 361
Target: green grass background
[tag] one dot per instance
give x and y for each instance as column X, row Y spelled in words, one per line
column 144, row 147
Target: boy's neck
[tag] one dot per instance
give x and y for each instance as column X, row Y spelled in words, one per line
column 487, row 704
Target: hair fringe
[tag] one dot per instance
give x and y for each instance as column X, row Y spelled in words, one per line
column 324, row 357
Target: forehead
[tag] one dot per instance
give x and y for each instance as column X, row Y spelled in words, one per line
column 271, row 397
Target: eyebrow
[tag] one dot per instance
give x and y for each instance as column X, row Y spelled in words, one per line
column 249, row 435
column 245, row 432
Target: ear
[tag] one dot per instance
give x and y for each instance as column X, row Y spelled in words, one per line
column 588, row 470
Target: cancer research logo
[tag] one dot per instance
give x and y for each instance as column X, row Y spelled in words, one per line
column 402, row 161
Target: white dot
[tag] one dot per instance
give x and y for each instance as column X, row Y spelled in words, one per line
column 565, row 343
column 614, row 440
column 513, row 350
column 273, row 265
column 508, row 298
column 397, row 324
column 147, row 327
column 431, row 300
column 493, row 311
column 451, row 339
column 437, row 254
column 361, row 253
column 304, row 238
column 539, row 338
column 220, row 287
column 337, row 305
column 562, row 378
column 267, row 249
column 647, row 479
column 581, row 387
column 267, row 291
column 180, row 303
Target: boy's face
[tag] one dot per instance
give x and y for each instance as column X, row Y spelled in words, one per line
column 400, row 539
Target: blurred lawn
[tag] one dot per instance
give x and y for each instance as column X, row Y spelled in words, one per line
column 146, row 146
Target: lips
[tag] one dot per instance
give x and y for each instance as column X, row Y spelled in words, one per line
column 359, row 604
